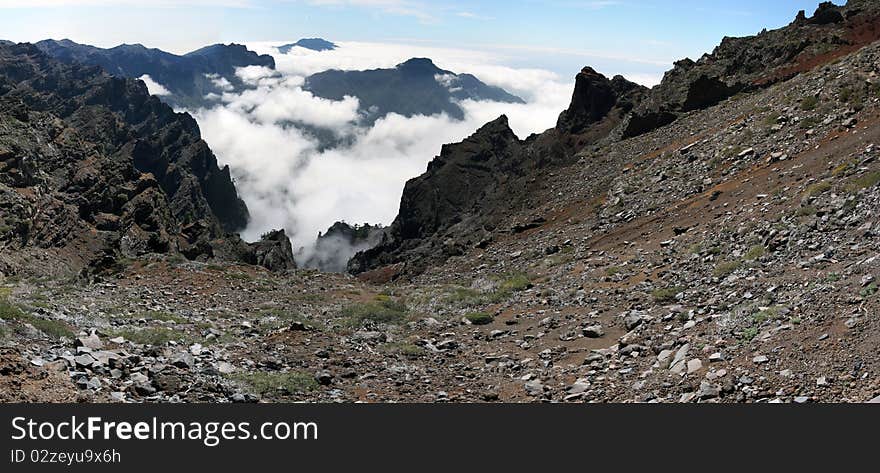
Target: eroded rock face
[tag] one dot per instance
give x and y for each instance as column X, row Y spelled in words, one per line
column 594, row 98
column 94, row 169
column 274, row 252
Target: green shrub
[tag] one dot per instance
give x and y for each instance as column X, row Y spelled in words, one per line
column 755, row 252
column 869, row 291
column 726, row 268
column 818, row 189
column 151, row 336
column 380, row 312
column 480, row 318
column 13, row 313
column 290, row 382
column 864, row 182
column 665, row 295
column 515, row 282
column 809, row 103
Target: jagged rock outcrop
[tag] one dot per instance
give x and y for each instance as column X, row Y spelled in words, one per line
column 274, row 251
column 94, row 168
column 189, row 79
column 744, row 64
column 464, row 195
column 594, row 97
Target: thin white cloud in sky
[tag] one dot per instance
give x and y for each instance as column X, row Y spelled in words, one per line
column 416, row 9
column 126, row 3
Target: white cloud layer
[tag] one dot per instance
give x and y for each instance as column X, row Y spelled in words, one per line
column 288, row 181
column 153, row 87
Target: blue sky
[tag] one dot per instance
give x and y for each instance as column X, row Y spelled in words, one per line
column 619, row 36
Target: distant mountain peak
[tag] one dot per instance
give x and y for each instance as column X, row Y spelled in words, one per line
column 315, row 44
column 418, row 63
column 415, row 87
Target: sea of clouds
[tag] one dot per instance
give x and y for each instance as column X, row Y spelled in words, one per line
column 289, row 181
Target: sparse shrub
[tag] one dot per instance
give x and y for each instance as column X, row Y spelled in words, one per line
column 380, row 312
column 515, row 282
column 864, row 182
column 818, row 189
column 726, row 268
column 408, row 350
column 749, row 334
column 613, row 271
column 665, row 295
column 290, row 382
column 870, row 290
column 809, row 103
column 13, row 313
column 755, row 252
column 480, row 318
column 151, row 336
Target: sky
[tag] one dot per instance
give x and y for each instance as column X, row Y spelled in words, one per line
column 637, row 38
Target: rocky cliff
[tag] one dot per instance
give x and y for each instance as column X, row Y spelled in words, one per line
column 96, row 168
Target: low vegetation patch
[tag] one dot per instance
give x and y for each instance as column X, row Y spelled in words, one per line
column 13, row 313
column 480, row 318
column 264, row 384
column 665, row 295
column 818, row 189
column 407, row 350
column 809, row 103
column 726, row 268
column 864, row 182
column 755, row 252
column 383, row 311
column 156, row 336
column 869, row 290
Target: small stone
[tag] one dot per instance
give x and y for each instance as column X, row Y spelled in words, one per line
column 694, row 365
column 324, row 378
column 183, row 361
column 708, row 390
column 801, row 399
column 92, row 341
column 716, row 357
column 534, row 388
column 594, row 331
column 760, row 360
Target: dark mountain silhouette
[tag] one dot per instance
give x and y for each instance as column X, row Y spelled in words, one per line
column 416, row 87
column 189, row 78
column 315, row 44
